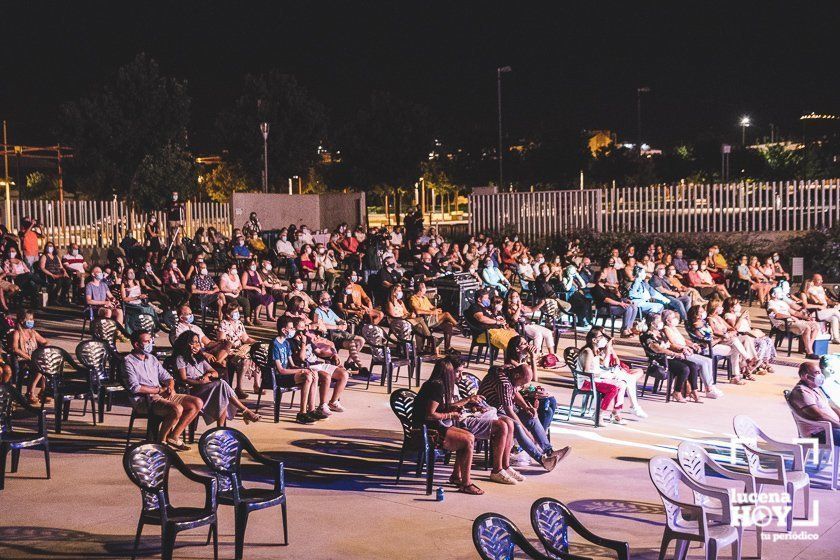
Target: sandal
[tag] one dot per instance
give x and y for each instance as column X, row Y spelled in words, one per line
column 470, row 489
column 250, row 416
column 454, row 480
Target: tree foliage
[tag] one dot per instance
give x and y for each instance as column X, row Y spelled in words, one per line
column 223, row 180
column 297, row 125
column 169, row 169
column 118, row 126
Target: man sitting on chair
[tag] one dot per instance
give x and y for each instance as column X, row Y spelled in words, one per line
column 809, row 401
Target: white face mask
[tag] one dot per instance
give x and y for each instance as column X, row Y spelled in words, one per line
column 203, row 272
column 267, row 266
column 75, row 252
column 253, row 268
column 602, row 343
column 50, row 250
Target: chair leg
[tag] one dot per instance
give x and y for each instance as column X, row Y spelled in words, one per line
column 711, row 549
column 15, row 460
column 102, row 398
column 400, row 464
column 215, row 528
column 241, row 523
column 430, row 470
column 277, row 396
column 663, row 548
column 137, row 538
column 168, row 544
column 285, row 524
column 47, row 457
column 130, row 427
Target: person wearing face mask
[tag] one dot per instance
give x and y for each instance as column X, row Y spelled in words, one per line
column 214, row 351
column 98, row 297
column 136, row 302
column 791, row 317
column 610, row 369
column 290, row 375
column 252, row 225
column 175, row 215
column 573, row 286
column 678, row 301
column 75, row 265
column 395, row 308
column 324, row 362
column 204, row 290
column 707, row 327
column 525, row 272
column 350, row 247
column 716, row 265
column 814, row 298
column 739, row 320
column 152, row 239
column 326, row 267
column 230, row 285
column 17, row 271
column 271, row 281
column 355, row 303
column 385, row 279
column 232, row 330
column 700, row 279
column 297, row 291
column 683, row 372
column 641, row 293
column 258, row 296
column 484, row 319
column 335, row 329
column 809, row 401
column 691, row 352
column 25, row 340
column 435, row 318
column 240, row 250
column 152, row 391
column 53, row 273
column 152, row 284
column 493, row 278
column 174, row 282
column 679, row 286
column 609, row 302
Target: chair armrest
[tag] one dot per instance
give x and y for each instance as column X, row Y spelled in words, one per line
column 777, row 461
column 528, row 548
column 746, row 478
column 279, row 472
column 618, row 546
column 776, row 446
column 713, row 492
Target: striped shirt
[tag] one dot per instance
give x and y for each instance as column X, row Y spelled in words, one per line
column 497, row 389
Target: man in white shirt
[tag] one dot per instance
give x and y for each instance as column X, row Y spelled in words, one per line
column 814, row 297
column 214, row 351
column 797, row 322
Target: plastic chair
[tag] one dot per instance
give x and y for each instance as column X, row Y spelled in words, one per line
column 221, row 449
column 551, row 314
column 381, row 355
column 717, row 359
column 828, row 448
column 147, row 465
column 88, row 314
column 773, row 472
column 603, row 312
column 402, row 335
column 94, row 358
column 106, row 330
column 415, row 439
column 13, row 441
column 279, row 384
column 49, row 361
column 468, row 385
column 780, row 331
column 658, row 369
column 551, row 521
column 497, row 538
column 590, row 396
column 694, row 460
column 689, row 522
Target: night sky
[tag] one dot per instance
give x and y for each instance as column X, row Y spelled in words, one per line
column 573, row 68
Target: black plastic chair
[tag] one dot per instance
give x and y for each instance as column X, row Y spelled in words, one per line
column 14, row 441
column 580, row 378
column 480, row 344
column 147, row 465
column 468, row 385
column 782, row 332
column 279, row 384
column 415, row 439
column 657, row 368
column 106, row 330
column 169, row 320
column 402, row 336
column 496, row 538
column 603, row 313
column 717, row 359
column 551, row 314
column 50, row 361
column 95, row 359
column 381, row 354
column 221, row 449
column 551, row 521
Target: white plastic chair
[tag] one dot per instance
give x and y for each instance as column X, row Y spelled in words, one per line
column 828, row 448
column 771, row 452
column 687, row 522
column 693, row 460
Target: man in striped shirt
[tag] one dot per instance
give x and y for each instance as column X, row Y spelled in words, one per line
column 500, row 388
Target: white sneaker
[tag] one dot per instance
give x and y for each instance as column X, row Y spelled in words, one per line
column 502, row 477
column 714, row 393
column 639, row 412
column 336, row 406
column 514, row 474
column 521, row 459
column 325, row 410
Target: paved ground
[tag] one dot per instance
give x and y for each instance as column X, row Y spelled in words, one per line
column 342, row 498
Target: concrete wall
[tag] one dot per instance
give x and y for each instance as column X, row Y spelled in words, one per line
column 315, row 210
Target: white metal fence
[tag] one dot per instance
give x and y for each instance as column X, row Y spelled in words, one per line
column 682, row 208
column 96, row 222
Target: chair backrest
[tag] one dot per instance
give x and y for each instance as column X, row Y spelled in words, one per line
column 221, row 450
column 147, row 466
column 6, row 399
column 666, row 477
column 402, row 330
column 807, row 427
column 106, row 330
column 495, row 536
column 93, row 355
column 375, row 338
column 169, row 319
column 402, row 403
column 550, row 521
column 570, row 356
column 260, row 354
column 49, row 360
column 693, row 460
column 468, row 385
column 146, row 322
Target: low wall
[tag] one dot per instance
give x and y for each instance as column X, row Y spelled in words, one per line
column 315, row 210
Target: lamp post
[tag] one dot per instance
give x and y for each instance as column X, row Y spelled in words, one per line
column 499, row 71
column 264, row 130
column 745, row 122
column 639, row 92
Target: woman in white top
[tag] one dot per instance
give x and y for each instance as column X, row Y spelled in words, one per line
column 609, row 367
column 814, row 297
column 798, row 322
column 690, row 351
column 590, row 360
column 136, row 302
column 231, row 286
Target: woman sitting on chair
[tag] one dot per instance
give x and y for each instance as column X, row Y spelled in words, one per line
column 739, row 319
column 680, row 370
column 220, row 401
column 136, row 302
column 600, row 358
column 25, row 340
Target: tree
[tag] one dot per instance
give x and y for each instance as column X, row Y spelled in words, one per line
column 40, row 185
column 116, row 127
column 169, row 169
column 297, row 125
column 223, row 180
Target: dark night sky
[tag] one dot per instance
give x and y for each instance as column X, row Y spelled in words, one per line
column 707, row 63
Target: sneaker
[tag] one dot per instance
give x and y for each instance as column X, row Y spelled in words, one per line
column 351, row 366
column 317, row 414
column 639, row 412
column 304, row 418
column 548, row 461
column 502, row 477
column 514, row 474
column 336, row 406
column 714, row 393
column 521, row 459
column 324, row 410
column 561, row 454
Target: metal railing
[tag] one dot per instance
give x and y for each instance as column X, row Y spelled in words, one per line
column 681, row 208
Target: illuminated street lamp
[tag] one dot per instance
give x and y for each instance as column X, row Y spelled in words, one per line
column 264, row 130
column 745, row 122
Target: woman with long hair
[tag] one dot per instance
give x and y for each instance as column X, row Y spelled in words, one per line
column 683, row 372
column 690, row 351
column 136, row 302
column 516, row 315
column 25, row 340
column 152, row 236
column 395, row 308
column 611, row 368
column 220, row 401
column 739, row 319
column 590, row 360
column 254, row 289
column 232, row 330
column 436, row 407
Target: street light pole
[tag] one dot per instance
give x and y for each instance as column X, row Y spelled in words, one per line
column 499, row 71
column 745, row 122
column 264, row 130
column 639, row 92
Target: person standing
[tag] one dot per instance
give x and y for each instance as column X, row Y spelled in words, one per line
column 29, row 235
column 175, row 215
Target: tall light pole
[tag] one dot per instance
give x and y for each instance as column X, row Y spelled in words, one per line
column 264, row 130
column 499, row 71
column 639, row 92
column 745, row 122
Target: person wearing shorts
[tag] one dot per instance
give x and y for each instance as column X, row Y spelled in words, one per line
column 324, row 362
